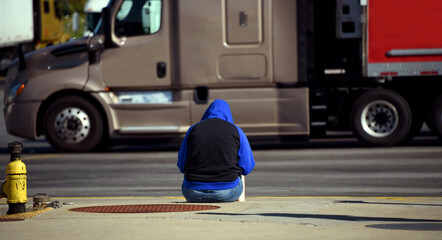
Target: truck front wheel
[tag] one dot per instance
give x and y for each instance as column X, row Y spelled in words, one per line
column 73, row 124
column 381, row 118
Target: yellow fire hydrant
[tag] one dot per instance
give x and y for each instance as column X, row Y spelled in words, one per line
column 14, row 188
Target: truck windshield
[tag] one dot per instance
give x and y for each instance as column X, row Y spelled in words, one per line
column 93, row 9
column 98, row 27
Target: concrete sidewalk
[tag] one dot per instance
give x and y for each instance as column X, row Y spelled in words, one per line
column 256, row 218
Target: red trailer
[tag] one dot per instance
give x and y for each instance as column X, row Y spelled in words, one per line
column 376, row 64
column 404, row 38
column 402, row 41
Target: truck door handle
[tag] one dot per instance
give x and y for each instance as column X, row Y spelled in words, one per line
column 243, row 19
column 161, row 69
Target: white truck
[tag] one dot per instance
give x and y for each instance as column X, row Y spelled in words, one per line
column 26, row 25
column 12, row 31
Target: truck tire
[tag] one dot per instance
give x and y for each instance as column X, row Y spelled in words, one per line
column 436, row 117
column 418, row 117
column 381, row 117
column 73, row 124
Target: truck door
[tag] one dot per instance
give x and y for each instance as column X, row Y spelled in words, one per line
column 137, row 70
column 142, row 57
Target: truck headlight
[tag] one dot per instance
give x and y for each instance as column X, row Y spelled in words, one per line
column 16, row 90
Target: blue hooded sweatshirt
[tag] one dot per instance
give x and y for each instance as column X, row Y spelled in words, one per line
column 215, row 152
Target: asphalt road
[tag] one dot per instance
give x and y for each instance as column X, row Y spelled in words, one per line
column 335, row 167
column 328, row 167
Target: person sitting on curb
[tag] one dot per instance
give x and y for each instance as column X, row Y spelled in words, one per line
column 213, row 156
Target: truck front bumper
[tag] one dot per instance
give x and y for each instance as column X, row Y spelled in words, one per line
column 21, row 118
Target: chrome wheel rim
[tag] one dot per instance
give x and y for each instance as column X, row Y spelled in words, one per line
column 72, row 125
column 379, row 118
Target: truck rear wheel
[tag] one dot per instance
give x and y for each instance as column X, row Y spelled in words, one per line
column 73, row 124
column 381, row 118
column 436, row 117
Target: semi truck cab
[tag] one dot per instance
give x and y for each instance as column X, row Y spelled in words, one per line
column 153, row 69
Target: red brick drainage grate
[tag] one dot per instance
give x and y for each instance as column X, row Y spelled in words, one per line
column 153, row 208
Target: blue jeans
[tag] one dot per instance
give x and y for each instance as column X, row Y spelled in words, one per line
column 213, row 196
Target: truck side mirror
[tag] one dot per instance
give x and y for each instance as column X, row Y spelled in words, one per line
column 107, row 27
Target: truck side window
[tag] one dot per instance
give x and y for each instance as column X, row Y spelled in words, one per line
column 135, row 18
